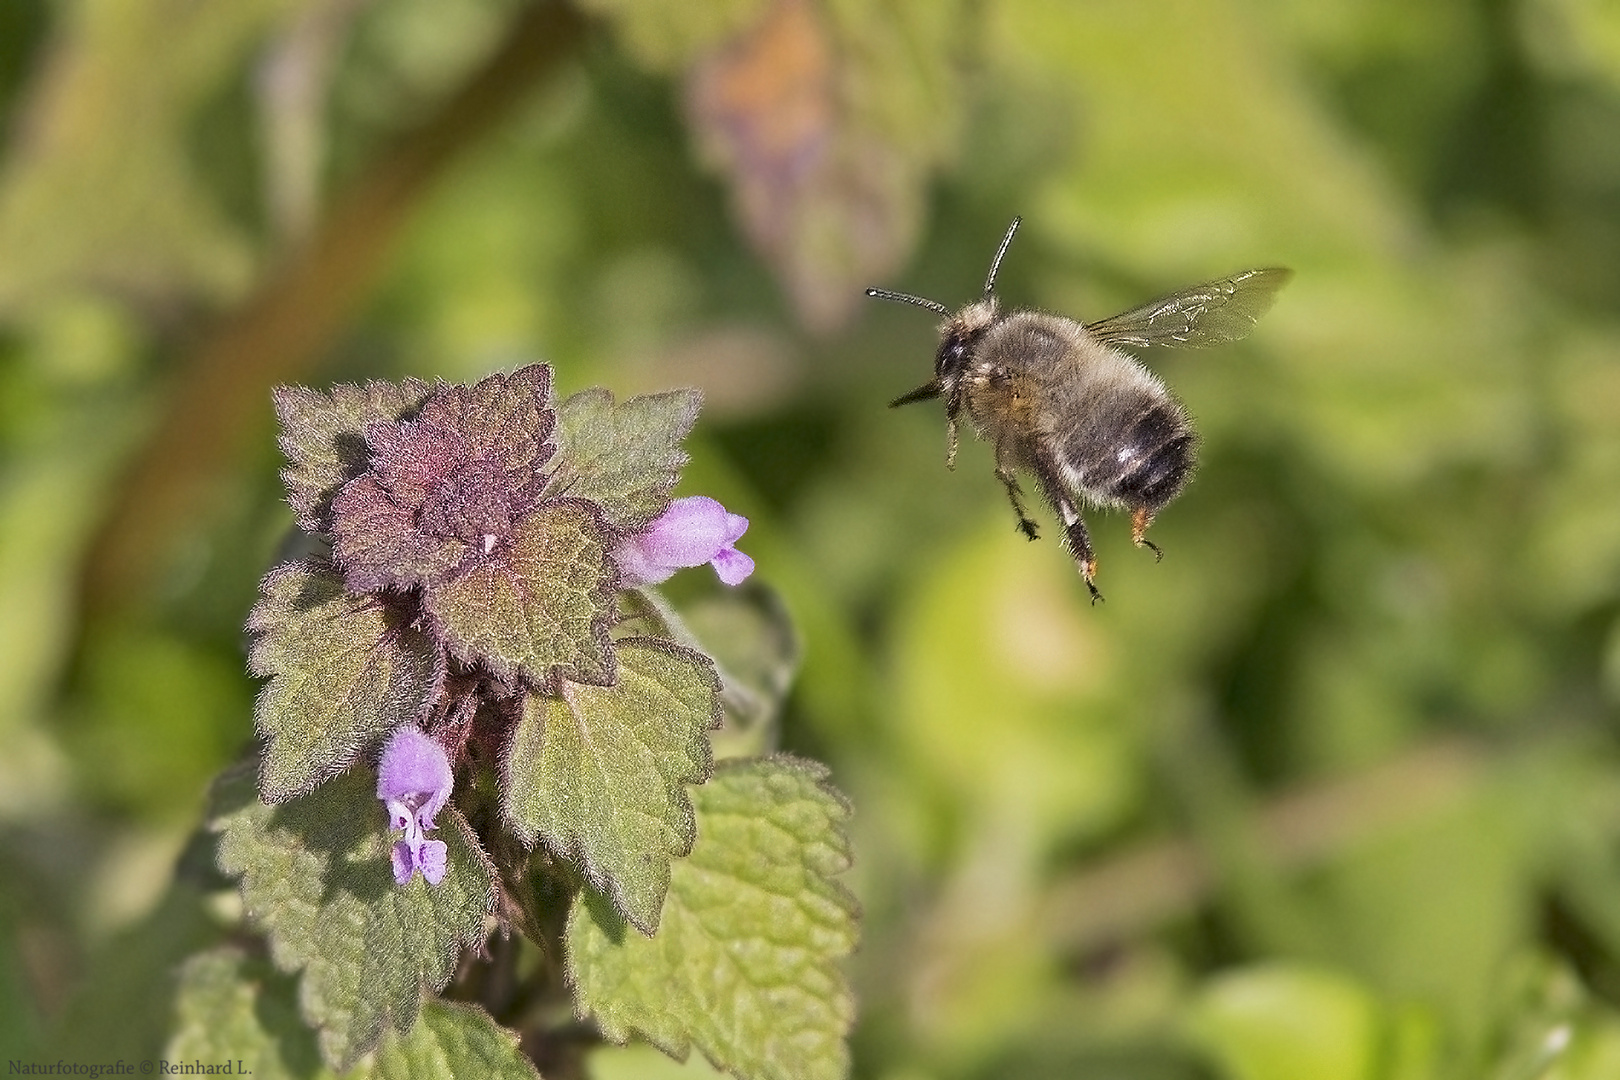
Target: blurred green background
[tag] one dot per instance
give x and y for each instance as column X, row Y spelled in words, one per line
column 1332, row 792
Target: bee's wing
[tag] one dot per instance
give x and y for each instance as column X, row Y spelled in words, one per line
column 1213, row 313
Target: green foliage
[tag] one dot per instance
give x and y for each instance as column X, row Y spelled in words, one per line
column 233, row 1009
column 1333, row 1031
column 315, row 879
column 464, row 615
column 322, row 438
column 1332, row 790
column 344, row 671
column 453, row 1040
column 600, row 773
column 230, row 1008
column 112, row 196
column 544, row 612
column 745, row 963
column 624, row 456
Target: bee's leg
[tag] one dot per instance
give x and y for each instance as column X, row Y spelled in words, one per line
column 953, row 412
column 1075, row 536
column 1079, row 540
column 1016, row 494
column 1006, row 473
column 1140, row 520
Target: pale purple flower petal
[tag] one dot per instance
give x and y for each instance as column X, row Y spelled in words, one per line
column 413, row 781
column 732, row 565
column 693, row 531
column 428, row 856
column 403, row 857
column 431, row 858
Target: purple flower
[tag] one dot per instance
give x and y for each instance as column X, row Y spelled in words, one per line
column 413, row 781
column 693, row 531
column 428, row 856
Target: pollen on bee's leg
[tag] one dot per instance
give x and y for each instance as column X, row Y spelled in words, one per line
column 1140, row 520
column 1088, row 571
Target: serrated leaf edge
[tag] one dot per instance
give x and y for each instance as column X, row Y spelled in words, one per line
column 571, row 852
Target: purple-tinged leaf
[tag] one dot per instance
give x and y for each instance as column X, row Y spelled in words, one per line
column 508, row 420
column 378, row 544
column 344, row 671
column 537, row 606
column 323, row 438
column 600, row 774
column 448, row 486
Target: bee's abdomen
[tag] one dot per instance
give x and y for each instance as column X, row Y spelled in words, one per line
column 1160, row 476
column 1144, row 463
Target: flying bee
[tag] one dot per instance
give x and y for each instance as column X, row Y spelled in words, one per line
column 1055, row 396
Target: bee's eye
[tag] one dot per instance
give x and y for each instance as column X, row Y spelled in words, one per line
column 952, row 355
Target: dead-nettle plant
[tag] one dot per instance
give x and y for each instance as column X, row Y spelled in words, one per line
column 486, row 823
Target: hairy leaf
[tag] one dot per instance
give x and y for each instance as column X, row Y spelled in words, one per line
column 453, row 1040
column 506, row 419
column 750, row 637
column 540, row 606
column 315, row 877
column 380, row 545
column 447, row 490
column 600, row 773
column 745, row 965
column 624, row 456
column 344, row 671
column 231, row 1008
column 323, row 437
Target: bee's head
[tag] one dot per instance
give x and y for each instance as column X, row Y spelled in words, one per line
column 959, row 335
column 959, row 339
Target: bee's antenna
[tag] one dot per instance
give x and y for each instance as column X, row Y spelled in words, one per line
column 1001, row 252
column 907, row 298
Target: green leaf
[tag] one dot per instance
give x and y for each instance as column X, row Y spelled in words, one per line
column 344, row 671
column 323, row 437
column 600, row 773
column 453, row 1040
column 1280, row 1022
column 625, row 456
column 746, row 964
column 541, row 611
column 230, row 1007
column 749, row 635
column 316, row 878
column 638, row 1061
column 234, row 1009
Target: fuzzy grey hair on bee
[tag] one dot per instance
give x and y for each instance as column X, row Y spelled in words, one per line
column 1059, row 399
